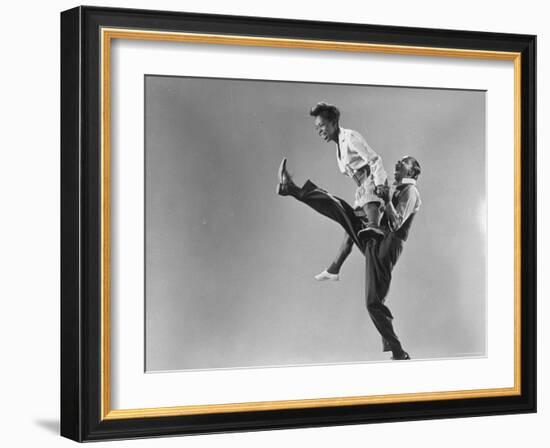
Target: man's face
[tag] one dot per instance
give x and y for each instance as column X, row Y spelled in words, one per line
column 326, row 129
column 403, row 169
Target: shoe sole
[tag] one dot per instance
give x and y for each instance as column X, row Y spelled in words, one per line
column 282, row 168
column 405, row 358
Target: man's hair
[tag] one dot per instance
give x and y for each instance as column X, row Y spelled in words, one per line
column 325, row 110
column 415, row 166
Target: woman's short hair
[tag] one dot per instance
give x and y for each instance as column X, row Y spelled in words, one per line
column 325, row 110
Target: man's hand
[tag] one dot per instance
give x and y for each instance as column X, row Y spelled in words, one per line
column 383, row 192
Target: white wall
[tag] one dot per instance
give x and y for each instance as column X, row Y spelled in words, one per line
column 29, row 236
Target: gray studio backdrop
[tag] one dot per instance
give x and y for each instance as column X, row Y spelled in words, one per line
column 230, row 265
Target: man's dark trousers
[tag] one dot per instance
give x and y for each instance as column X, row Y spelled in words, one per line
column 380, row 256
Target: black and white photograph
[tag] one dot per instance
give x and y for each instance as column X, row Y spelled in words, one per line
column 306, row 223
column 263, row 224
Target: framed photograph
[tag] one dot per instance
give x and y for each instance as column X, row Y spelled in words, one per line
column 272, row 223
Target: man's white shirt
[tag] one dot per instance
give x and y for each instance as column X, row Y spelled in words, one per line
column 408, row 203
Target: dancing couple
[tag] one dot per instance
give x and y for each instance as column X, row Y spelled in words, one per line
column 379, row 221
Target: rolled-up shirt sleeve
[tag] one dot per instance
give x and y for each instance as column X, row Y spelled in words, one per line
column 374, row 161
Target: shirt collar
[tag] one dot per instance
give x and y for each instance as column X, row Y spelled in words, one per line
column 408, row 180
column 341, row 135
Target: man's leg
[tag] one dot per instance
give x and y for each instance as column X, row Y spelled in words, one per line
column 323, row 202
column 380, row 257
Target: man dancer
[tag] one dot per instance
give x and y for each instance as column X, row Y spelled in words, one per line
column 402, row 203
column 357, row 160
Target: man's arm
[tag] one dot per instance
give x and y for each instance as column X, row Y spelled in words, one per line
column 408, row 203
column 359, row 145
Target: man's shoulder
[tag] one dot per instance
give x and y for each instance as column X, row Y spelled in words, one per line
column 410, row 191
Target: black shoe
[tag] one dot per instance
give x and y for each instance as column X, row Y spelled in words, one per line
column 369, row 232
column 402, row 356
column 284, row 189
column 285, row 186
column 283, row 173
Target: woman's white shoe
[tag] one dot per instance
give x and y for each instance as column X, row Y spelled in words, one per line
column 327, row 276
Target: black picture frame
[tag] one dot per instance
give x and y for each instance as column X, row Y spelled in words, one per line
column 81, row 224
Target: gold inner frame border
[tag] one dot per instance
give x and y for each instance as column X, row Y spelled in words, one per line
column 107, row 35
